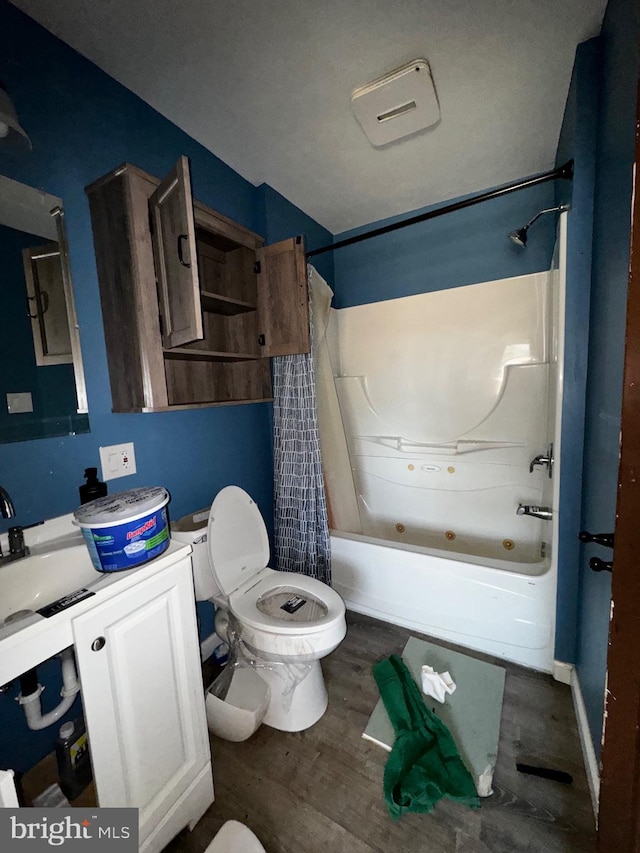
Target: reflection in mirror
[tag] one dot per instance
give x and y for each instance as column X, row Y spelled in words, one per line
column 42, row 387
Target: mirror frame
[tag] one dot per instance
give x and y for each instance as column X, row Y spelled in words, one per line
column 72, row 317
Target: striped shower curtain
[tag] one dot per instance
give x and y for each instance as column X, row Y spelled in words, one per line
column 301, row 527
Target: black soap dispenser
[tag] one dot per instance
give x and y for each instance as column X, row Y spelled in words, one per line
column 93, row 488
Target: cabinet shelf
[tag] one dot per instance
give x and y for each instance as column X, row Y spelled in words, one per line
column 218, row 304
column 185, row 354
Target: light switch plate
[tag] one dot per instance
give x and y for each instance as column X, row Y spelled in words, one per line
column 19, row 402
column 117, row 460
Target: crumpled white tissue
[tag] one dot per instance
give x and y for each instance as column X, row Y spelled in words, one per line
column 437, row 684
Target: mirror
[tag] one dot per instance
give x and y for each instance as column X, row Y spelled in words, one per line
column 42, row 385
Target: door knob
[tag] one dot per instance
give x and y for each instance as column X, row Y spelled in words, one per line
column 599, row 565
column 606, row 539
column 98, row 643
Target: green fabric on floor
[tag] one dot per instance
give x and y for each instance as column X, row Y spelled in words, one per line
column 424, row 764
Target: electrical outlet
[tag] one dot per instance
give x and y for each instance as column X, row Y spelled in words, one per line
column 117, row 460
column 19, row 402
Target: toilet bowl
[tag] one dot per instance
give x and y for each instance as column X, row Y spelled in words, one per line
column 286, row 621
column 234, row 837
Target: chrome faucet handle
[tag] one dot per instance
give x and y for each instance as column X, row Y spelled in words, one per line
column 538, row 460
column 543, row 459
column 7, row 509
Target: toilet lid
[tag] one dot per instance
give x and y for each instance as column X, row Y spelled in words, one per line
column 237, row 539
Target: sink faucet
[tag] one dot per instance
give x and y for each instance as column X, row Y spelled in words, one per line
column 7, row 509
column 543, row 512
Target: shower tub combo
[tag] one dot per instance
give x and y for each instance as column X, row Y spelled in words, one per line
column 439, row 421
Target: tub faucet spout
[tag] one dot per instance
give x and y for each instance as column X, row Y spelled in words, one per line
column 543, row 512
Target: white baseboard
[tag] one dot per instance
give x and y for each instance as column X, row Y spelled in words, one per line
column 563, row 672
column 560, row 671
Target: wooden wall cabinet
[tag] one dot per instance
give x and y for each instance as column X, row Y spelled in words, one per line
column 193, row 304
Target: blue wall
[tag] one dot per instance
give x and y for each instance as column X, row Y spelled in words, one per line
column 280, row 219
column 613, row 191
column 460, row 248
column 577, row 141
column 83, row 124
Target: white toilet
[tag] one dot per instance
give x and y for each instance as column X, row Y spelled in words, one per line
column 234, row 837
column 287, row 621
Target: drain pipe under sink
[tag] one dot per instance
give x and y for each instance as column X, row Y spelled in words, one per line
column 36, row 720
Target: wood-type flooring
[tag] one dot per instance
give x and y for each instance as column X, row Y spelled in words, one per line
column 320, row 791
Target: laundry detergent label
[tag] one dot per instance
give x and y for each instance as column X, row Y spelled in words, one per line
column 124, row 546
column 293, row 604
column 78, row 749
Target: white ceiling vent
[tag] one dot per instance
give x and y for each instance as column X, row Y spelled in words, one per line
column 398, row 104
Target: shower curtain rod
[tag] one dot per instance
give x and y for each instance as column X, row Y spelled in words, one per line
column 565, row 171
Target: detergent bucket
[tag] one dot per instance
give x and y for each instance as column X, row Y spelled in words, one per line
column 127, row 529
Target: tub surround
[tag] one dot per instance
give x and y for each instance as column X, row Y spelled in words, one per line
column 449, row 402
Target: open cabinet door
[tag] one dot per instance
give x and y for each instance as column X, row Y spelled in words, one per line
column 283, row 300
column 174, row 247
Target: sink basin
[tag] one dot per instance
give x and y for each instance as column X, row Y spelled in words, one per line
column 52, row 570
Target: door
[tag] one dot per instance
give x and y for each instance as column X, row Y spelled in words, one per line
column 174, row 248
column 283, row 301
column 139, row 665
column 619, row 814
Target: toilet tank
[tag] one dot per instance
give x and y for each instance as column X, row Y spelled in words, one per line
column 192, row 530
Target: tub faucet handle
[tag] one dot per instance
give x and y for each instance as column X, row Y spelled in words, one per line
column 543, row 459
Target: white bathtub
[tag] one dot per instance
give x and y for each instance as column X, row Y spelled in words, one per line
column 499, row 607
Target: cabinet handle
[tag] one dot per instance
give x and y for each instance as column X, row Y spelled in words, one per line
column 98, row 643
column 42, row 304
column 182, row 237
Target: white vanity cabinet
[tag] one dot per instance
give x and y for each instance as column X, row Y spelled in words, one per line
column 139, row 665
column 136, row 644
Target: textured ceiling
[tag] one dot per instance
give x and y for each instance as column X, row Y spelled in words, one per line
column 266, row 85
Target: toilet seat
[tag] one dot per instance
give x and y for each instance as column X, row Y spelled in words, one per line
column 243, row 603
column 235, row 837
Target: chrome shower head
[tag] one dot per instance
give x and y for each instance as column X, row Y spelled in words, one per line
column 519, row 235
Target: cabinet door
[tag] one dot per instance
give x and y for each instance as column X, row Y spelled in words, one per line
column 174, row 246
column 142, row 692
column 283, row 301
column 47, row 307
